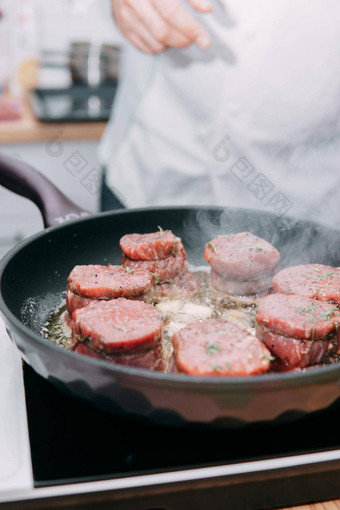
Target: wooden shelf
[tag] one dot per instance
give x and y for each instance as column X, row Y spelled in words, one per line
column 28, row 129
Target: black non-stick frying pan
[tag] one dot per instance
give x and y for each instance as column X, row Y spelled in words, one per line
column 33, row 278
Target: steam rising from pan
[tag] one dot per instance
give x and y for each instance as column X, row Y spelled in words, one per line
column 298, row 241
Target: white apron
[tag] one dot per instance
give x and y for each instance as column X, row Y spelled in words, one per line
column 252, row 122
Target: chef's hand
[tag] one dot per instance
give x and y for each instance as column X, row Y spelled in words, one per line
column 153, row 25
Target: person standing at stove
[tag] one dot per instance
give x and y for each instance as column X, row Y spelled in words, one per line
column 227, row 103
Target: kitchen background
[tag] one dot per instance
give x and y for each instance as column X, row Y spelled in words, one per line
column 59, row 67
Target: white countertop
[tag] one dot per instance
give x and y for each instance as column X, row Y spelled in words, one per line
column 15, row 459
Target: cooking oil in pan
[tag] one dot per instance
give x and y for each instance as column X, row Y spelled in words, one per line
column 177, row 313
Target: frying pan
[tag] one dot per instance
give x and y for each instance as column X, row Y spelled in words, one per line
column 33, row 278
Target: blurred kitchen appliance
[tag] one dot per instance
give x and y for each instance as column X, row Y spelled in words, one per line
column 94, row 71
column 73, row 104
column 93, row 64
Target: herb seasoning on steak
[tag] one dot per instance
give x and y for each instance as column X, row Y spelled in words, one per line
column 107, row 282
column 162, row 269
column 242, row 267
column 297, row 330
column 219, row 348
column 315, row 281
column 116, row 326
column 154, row 246
column 241, row 257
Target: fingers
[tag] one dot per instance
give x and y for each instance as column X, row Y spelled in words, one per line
column 201, row 5
column 133, row 29
column 160, row 30
column 175, row 15
column 138, row 42
column 155, row 45
column 153, row 25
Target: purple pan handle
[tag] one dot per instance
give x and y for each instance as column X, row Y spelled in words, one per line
column 23, row 180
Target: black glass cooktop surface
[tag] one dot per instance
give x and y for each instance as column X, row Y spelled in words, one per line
column 72, row 441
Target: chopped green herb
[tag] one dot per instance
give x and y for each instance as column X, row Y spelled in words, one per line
column 212, row 247
column 228, row 366
column 325, row 315
column 160, row 230
column 269, row 357
column 217, row 368
column 307, row 309
column 128, row 269
column 323, row 276
column 155, row 278
column 212, row 348
column 256, row 249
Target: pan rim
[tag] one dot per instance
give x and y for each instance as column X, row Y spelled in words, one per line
column 239, row 383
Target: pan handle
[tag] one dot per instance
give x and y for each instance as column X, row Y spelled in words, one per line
column 24, row 180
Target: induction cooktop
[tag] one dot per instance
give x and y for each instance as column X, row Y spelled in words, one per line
column 84, row 458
